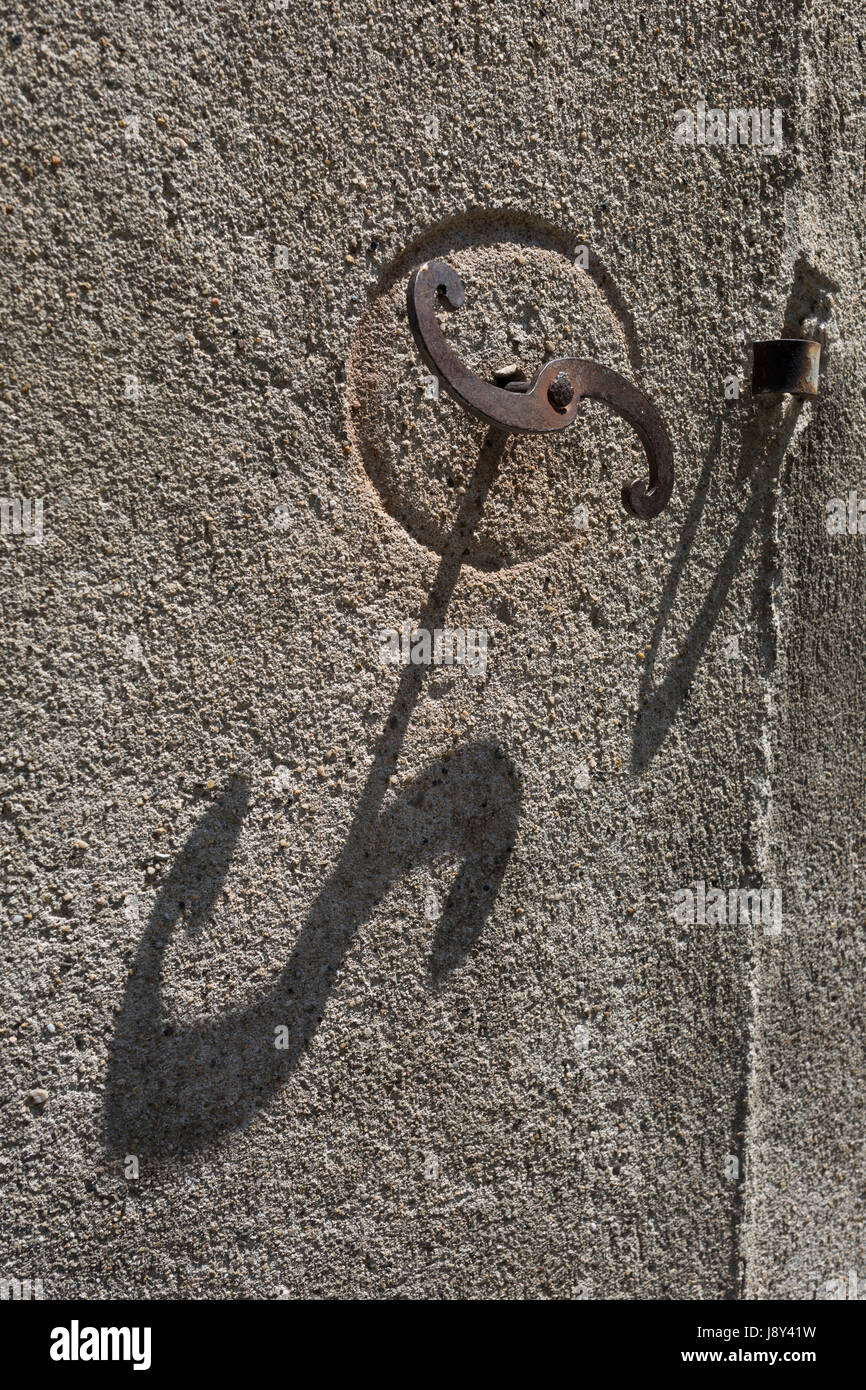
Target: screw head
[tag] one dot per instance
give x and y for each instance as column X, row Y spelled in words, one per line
column 560, row 392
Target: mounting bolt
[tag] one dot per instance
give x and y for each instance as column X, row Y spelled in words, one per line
column 560, row 392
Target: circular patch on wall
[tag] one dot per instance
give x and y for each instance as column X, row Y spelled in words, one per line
column 528, row 300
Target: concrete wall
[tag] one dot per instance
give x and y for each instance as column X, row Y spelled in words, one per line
column 327, row 977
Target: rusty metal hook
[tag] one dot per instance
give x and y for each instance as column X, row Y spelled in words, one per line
column 549, row 402
column 786, row 366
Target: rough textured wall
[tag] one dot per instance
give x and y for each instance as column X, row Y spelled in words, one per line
column 332, row 977
column 804, row 1220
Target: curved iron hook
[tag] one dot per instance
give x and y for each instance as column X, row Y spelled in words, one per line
column 549, row 402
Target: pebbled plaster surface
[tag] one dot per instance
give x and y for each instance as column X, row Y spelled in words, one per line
column 507, row 1070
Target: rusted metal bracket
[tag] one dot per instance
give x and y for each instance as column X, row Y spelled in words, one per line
column 547, row 403
column 787, row 365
